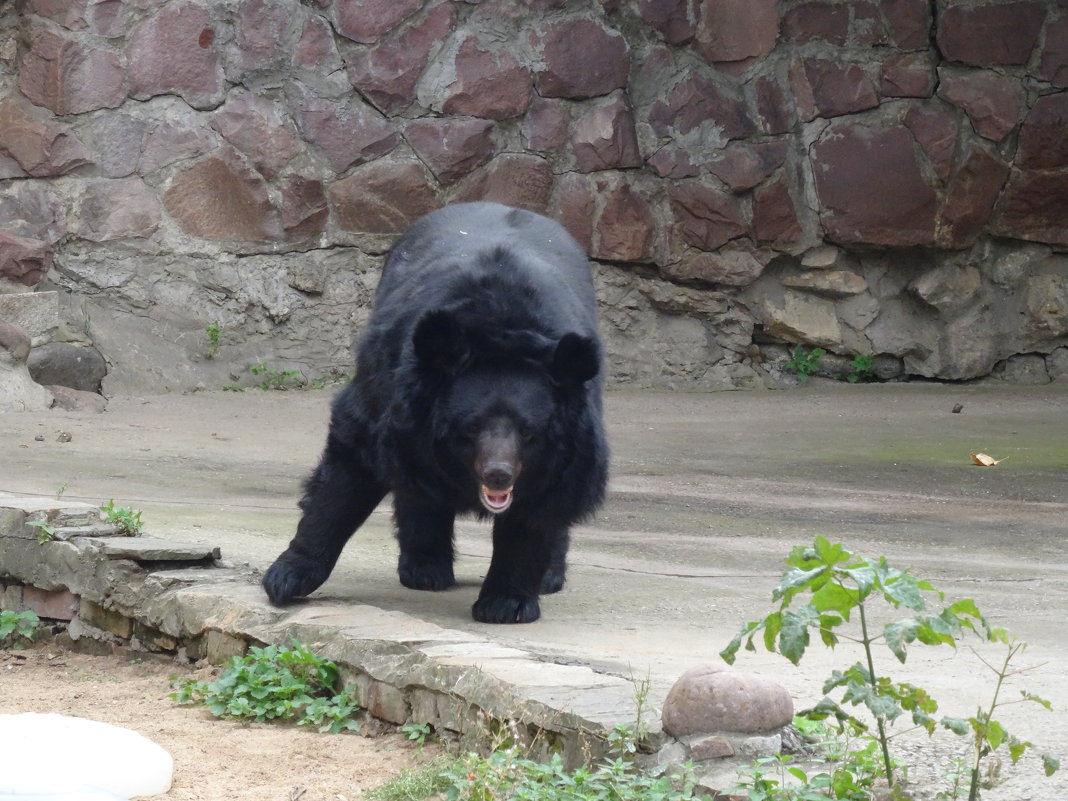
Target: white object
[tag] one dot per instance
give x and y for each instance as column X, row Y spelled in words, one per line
column 49, row 757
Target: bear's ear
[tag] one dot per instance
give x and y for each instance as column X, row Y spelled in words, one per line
column 575, row 360
column 439, row 341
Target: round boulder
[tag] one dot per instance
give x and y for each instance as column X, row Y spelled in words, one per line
column 67, row 365
column 709, row 698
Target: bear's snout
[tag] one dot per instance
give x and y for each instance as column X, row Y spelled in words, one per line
column 498, row 476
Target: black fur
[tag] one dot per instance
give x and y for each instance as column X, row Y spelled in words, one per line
column 480, row 364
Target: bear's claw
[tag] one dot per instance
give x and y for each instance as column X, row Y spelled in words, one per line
column 506, row 609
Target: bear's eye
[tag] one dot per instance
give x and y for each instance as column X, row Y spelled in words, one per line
column 526, row 434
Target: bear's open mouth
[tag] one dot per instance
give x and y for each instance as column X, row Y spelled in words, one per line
column 496, row 501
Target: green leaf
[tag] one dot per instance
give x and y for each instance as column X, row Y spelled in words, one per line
column 956, row 725
column 1040, row 701
column 899, row 634
column 834, row 597
column 995, row 734
column 1017, row 749
column 1050, row 764
column 904, row 591
column 795, row 580
column 793, row 638
column 864, row 576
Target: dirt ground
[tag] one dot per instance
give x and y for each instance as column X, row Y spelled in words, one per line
column 267, row 762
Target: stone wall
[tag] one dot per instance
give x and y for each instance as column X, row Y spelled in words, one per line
column 885, row 177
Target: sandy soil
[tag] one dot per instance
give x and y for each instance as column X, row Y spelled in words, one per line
column 213, row 759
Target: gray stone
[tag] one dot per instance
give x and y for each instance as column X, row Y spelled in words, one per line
column 803, row 318
column 1023, row 369
column 709, row 699
column 67, row 365
column 820, row 257
column 76, row 400
column 1057, row 364
column 1046, row 301
column 831, row 283
column 36, row 313
column 153, row 549
column 949, row 288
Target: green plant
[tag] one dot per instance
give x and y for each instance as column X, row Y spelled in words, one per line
column 840, row 584
column 128, row 521
column 17, row 626
column 276, row 379
column 46, row 532
column 861, row 368
column 414, row 784
column 805, row 364
column 504, row 774
column 214, row 332
column 416, row 732
column 275, row 682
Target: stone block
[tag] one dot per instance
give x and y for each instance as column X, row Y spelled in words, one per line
column 994, row 103
column 151, row 639
column 175, row 51
column 347, row 132
column 736, row 30
column 1001, row 34
column 604, row 136
column 220, row 200
column 386, row 702
column 51, row 604
column 153, row 549
column 451, row 147
column 68, row 365
column 580, row 59
column 68, row 76
column 219, row 648
column 366, row 21
column 23, row 261
column 108, row 620
column 382, row 197
column 39, row 146
column 1027, row 368
column 714, row 747
column 487, row 82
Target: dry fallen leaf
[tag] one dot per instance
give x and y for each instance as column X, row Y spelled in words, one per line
column 984, row 460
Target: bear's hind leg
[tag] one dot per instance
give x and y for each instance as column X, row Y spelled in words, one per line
column 424, row 532
column 556, row 573
column 339, row 496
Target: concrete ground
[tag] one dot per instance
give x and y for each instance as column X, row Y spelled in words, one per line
column 709, row 492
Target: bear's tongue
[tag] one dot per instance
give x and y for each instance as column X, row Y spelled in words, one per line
column 496, row 501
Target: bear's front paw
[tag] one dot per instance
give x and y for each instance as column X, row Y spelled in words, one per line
column 433, row 576
column 506, row 609
column 292, row 577
column 553, row 581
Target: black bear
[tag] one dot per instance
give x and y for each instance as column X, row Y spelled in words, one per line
column 477, row 389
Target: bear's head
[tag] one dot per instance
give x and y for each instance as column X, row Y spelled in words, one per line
column 505, row 403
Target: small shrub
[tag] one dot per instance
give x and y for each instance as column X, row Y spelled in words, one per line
column 276, row 683
column 277, row 379
column 46, row 532
column 804, row 364
column 128, row 521
column 861, row 368
column 17, row 628
column 214, row 332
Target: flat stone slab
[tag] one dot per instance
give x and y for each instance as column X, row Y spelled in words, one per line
column 152, row 549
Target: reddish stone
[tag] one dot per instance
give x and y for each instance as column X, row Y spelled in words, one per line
column 173, row 141
column 262, row 33
column 867, row 27
column 514, row 179
column 992, row 102
column 709, row 698
column 1001, row 34
column 347, row 133
column 625, row 227
column 706, row 218
column 316, row 49
column 39, row 147
column 970, row 198
column 117, row 140
column 871, row 188
column 673, row 162
column 545, row 126
column 214, row 200
column 774, row 213
column 167, row 54
column 725, row 267
column 604, row 137
column 102, row 17
column 908, row 22
column 836, row 89
column 304, row 208
column 817, row 20
column 24, row 261
column 260, row 129
column 382, row 197
column 386, row 75
column 451, row 147
column 581, row 59
column 1043, row 144
column 51, row 604
column 1032, row 207
column 1053, row 65
column 366, row 21
column 908, row 75
column 574, row 205
column 488, row 84
column 935, row 130
column 674, row 19
column 69, row 77
column 696, row 101
column 736, row 30
column 776, row 113
column 742, row 165
column 123, row 209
